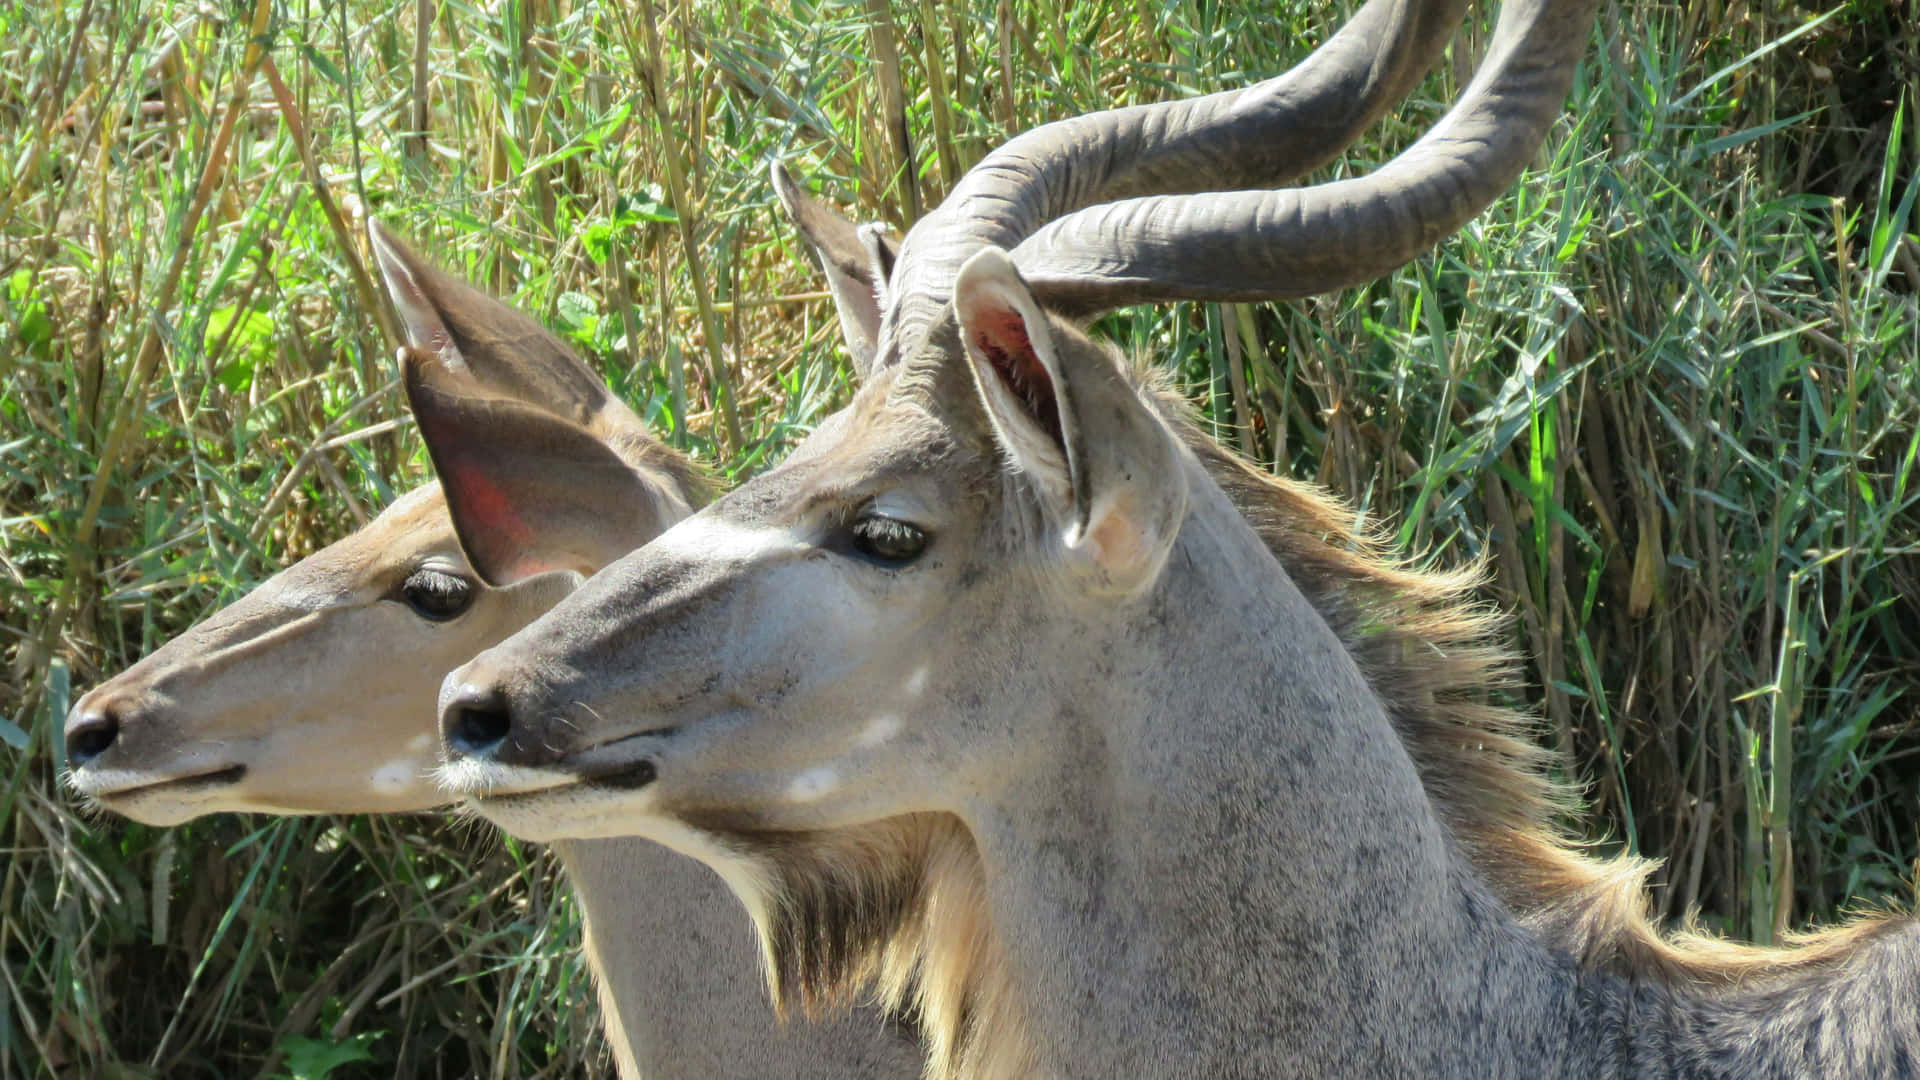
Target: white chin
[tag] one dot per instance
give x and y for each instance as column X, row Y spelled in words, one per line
column 475, row 779
column 575, row 812
column 539, row 817
column 130, row 796
column 160, row 810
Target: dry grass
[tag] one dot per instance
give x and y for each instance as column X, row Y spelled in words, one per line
column 1670, row 384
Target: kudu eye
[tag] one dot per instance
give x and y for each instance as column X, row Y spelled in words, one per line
column 436, row 594
column 886, row 540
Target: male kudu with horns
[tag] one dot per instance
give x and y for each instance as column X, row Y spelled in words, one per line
column 1013, row 694
column 315, row 692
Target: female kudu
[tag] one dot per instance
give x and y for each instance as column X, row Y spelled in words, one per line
column 1013, row 693
column 314, row 693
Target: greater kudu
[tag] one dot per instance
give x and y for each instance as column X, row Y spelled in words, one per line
column 1013, row 693
column 315, row 692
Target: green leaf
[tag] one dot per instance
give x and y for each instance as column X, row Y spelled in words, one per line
column 250, row 344
column 59, row 701
column 36, row 330
column 649, row 204
column 645, row 206
column 597, row 238
column 315, row 1059
column 323, row 65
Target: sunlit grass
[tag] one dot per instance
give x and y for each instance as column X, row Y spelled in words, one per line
column 1669, row 384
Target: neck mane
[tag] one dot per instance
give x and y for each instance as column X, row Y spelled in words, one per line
column 899, row 906
column 1435, row 656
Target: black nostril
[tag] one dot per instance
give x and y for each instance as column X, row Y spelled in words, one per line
column 477, row 721
column 89, row 734
column 479, row 729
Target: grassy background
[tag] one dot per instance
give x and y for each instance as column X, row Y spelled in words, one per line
column 1670, row 384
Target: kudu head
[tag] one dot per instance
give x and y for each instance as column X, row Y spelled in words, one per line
column 966, row 580
column 314, row 693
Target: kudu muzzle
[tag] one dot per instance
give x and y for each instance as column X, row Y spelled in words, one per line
column 481, row 722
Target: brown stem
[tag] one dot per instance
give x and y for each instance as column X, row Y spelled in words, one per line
column 370, row 299
column 152, row 348
column 423, row 12
column 655, row 80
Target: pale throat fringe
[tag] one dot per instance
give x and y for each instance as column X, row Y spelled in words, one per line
column 897, row 909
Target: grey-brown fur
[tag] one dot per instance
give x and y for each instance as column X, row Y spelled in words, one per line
column 681, row 965
column 321, row 675
column 677, row 962
column 1324, row 919
column 1134, row 762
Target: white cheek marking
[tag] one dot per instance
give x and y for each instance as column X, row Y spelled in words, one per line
column 393, row 776
column 916, row 683
column 420, row 743
column 813, row 784
column 879, row 730
column 715, row 539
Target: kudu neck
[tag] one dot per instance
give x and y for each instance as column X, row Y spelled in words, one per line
column 679, row 974
column 1233, row 868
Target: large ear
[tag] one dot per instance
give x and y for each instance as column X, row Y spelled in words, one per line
column 1068, row 418
column 857, row 260
column 529, row 491
column 479, row 337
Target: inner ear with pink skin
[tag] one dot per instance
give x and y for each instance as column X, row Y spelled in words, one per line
column 529, row 492
column 999, row 334
column 1068, row 417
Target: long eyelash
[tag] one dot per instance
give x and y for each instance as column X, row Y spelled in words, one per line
column 437, row 584
column 886, row 529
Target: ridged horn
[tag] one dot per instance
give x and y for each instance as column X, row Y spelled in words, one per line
column 1262, row 135
column 1274, row 245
